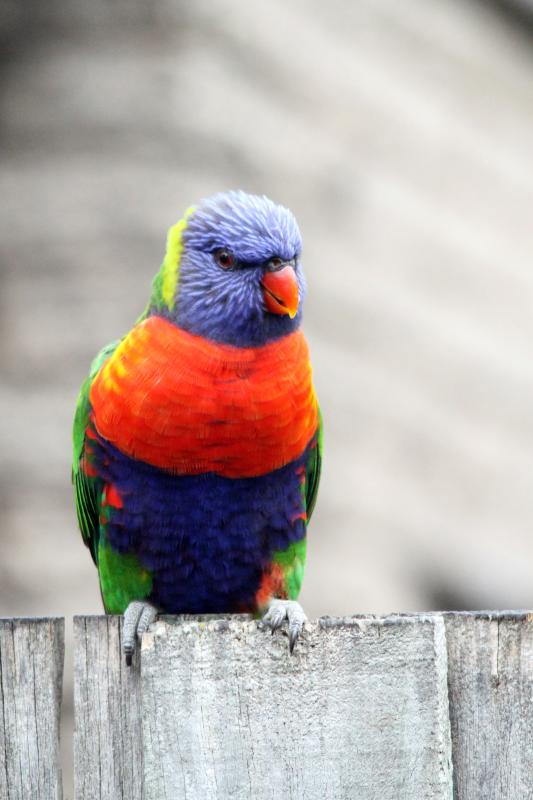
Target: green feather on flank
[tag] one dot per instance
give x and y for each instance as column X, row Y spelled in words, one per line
column 313, row 469
column 122, row 579
column 83, row 406
column 292, row 560
column 86, row 488
column 81, row 418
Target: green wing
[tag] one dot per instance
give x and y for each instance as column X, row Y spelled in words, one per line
column 292, row 559
column 313, row 469
column 87, row 489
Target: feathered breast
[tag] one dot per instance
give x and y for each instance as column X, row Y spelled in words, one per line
column 189, row 405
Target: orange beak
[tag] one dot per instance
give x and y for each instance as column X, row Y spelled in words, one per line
column 280, row 291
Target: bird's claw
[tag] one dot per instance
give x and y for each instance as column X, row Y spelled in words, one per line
column 138, row 617
column 281, row 610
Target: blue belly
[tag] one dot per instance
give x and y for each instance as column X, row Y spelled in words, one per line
column 205, row 539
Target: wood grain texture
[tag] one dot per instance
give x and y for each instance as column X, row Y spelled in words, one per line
column 360, row 710
column 31, row 674
column 491, row 704
column 108, row 752
column 216, row 708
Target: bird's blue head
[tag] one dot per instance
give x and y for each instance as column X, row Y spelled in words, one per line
column 232, row 271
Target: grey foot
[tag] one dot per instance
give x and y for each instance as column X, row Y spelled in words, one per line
column 138, row 617
column 290, row 610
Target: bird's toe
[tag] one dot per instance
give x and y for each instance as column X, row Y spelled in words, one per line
column 138, row 617
column 281, row 610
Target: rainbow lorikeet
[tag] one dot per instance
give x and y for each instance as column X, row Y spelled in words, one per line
column 197, row 436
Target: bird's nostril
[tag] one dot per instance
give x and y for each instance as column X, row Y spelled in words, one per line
column 276, row 263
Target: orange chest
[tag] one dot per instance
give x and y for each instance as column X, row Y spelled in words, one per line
column 188, row 405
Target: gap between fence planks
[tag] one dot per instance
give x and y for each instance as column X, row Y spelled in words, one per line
column 215, row 708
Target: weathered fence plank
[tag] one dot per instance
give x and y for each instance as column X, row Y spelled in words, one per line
column 360, row 710
column 491, row 704
column 31, row 674
column 108, row 750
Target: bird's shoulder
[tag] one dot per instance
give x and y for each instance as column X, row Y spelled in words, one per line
column 83, row 404
column 84, row 479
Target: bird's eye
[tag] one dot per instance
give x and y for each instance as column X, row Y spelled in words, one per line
column 275, row 262
column 224, row 258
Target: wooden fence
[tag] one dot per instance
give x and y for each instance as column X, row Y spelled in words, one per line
column 414, row 707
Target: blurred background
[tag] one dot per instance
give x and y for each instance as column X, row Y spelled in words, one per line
column 401, row 135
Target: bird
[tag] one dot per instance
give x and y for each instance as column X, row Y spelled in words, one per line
column 198, row 437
